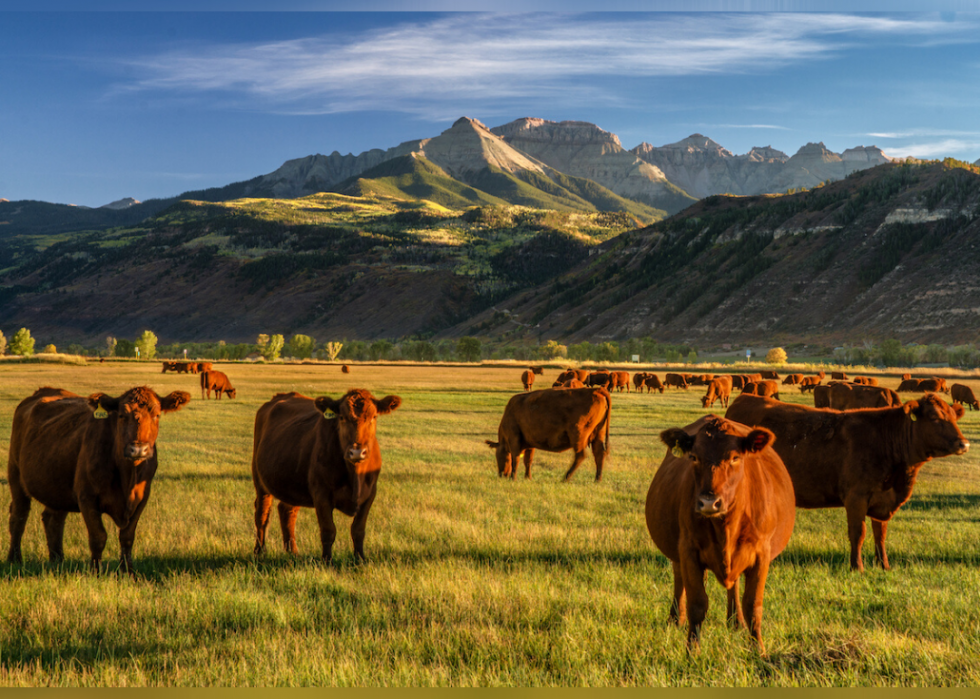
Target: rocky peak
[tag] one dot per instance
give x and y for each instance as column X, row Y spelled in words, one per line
column 564, row 133
column 816, row 151
column 121, row 204
column 765, row 154
column 865, row 154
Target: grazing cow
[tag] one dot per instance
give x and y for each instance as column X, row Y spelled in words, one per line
column 769, row 374
column 638, row 379
column 181, row 367
column 653, row 383
column 906, row 377
column 344, row 369
column 94, row 455
column 808, row 383
column 527, row 378
column 934, row 384
column 838, row 376
column 218, row 382
column 792, row 379
column 721, row 501
column 964, row 394
column 909, row 386
column 554, row 420
column 865, row 461
column 599, row 378
column 169, row 366
column 844, row 396
column 719, row 388
column 321, row 453
column 539, row 370
column 701, row 380
column 677, row 380
column 865, row 380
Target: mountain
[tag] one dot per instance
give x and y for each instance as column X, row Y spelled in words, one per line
column 890, row 251
column 703, row 168
column 584, row 150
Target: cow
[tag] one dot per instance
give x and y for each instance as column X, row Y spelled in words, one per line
column 218, row 382
column 821, row 397
column 599, row 378
column 753, row 378
column 677, row 380
column 792, row 379
column 94, row 455
column 844, row 396
column 865, row 461
column 838, row 376
column 203, row 366
column 539, row 370
column 344, row 369
column 321, row 453
column 638, row 379
column 739, row 381
column 169, row 366
column 906, row 377
column 810, row 382
column 571, row 383
column 701, row 379
column 181, row 367
column 766, row 387
column 909, row 386
column 865, row 380
column 653, row 383
column 722, row 501
column 964, row 394
column 719, row 388
column 554, row 420
column 769, row 374
column 620, row 380
column 934, row 384
column 527, row 378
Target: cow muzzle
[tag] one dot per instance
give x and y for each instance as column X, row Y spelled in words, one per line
column 137, row 451
column 710, row 505
column 961, row 447
column 356, row 453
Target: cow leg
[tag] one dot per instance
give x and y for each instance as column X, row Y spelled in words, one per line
column 678, row 612
column 20, row 509
column 528, row 458
column 755, row 587
column 127, row 535
column 576, row 462
column 697, row 598
column 879, row 530
column 856, row 509
column 599, row 454
column 736, row 617
column 263, row 506
column 287, row 522
column 54, row 532
column 358, row 528
column 328, row 530
column 96, row 533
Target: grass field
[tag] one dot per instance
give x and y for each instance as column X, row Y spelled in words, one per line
column 472, row 580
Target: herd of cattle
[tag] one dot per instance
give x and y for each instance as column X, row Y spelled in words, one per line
column 723, row 499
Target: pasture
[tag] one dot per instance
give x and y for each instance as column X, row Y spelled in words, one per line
column 472, row 580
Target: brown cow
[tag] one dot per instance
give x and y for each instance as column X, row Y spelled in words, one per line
column 320, row 453
column 599, row 378
column 719, row 388
column 722, row 501
column 766, row 387
column 838, row 376
column 865, row 461
column 808, row 383
column 169, row 366
column 344, row 369
column 653, row 383
column 934, row 384
column 203, row 366
column 844, row 396
column 906, row 377
column 571, row 383
column 620, row 380
column 554, row 420
column 964, row 394
column 865, row 380
column 739, row 381
column 677, row 380
column 527, row 378
column 94, row 455
column 638, row 379
column 909, row 386
column 769, row 374
column 539, row 370
column 821, row 397
column 701, row 380
column 218, row 382
column 792, row 379
column 181, row 367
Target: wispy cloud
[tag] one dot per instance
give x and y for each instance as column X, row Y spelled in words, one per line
column 936, row 149
column 419, row 66
column 922, row 133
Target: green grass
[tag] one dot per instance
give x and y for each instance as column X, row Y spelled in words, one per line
column 472, row 580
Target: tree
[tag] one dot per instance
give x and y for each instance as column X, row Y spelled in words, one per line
column 381, row 349
column 49, row 349
column 3, row 344
column 777, row 355
column 110, row 346
column 333, row 349
column 22, row 343
column 469, row 349
column 147, row 345
column 301, row 346
column 125, row 348
column 262, row 340
column 552, row 350
column 273, row 348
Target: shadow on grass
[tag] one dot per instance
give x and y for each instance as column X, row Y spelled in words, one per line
column 927, row 503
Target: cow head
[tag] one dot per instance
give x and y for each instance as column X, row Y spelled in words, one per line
column 134, row 418
column 356, row 413
column 934, row 428
column 716, row 454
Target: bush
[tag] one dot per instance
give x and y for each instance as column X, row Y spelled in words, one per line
column 22, row 343
column 777, row 355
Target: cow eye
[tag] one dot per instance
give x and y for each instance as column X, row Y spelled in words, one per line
column 735, row 458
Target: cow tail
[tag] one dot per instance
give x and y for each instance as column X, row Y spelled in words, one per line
column 604, row 426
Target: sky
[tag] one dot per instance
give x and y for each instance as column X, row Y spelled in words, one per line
column 104, row 103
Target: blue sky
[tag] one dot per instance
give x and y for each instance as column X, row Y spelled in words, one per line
column 100, row 105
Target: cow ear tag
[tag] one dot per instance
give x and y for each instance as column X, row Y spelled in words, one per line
column 912, row 417
column 678, row 452
column 101, row 413
column 327, row 415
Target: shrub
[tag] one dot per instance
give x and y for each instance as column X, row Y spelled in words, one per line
column 22, row 343
column 777, row 355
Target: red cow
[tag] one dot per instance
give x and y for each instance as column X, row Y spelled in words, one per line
column 718, row 389
column 964, row 394
column 638, row 379
column 677, row 380
column 527, row 378
column 769, row 374
column 844, row 396
column 554, row 420
column 321, row 453
column 653, row 383
column 934, row 384
column 865, row 461
column 909, row 386
column 721, row 501
column 94, row 455
column 620, row 380
column 808, row 383
column 792, row 379
column 218, row 382
column 599, row 378
column 838, row 376
column 344, row 369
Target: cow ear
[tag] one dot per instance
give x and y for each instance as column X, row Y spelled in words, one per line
column 387, row 404
column 912, row 409
column 325, row 403
column 175, row 401
column 678, row 441
column 959, row 410
column 757, row 440
column 104, row 401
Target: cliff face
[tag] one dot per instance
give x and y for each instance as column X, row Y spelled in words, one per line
column 704, row 168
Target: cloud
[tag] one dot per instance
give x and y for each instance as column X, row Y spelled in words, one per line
column 936, row 149
column 420, row 66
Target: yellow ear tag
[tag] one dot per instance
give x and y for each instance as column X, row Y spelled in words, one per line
column 101, row 413
column 678, row 452
column 327, row 415
column 912, row 417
